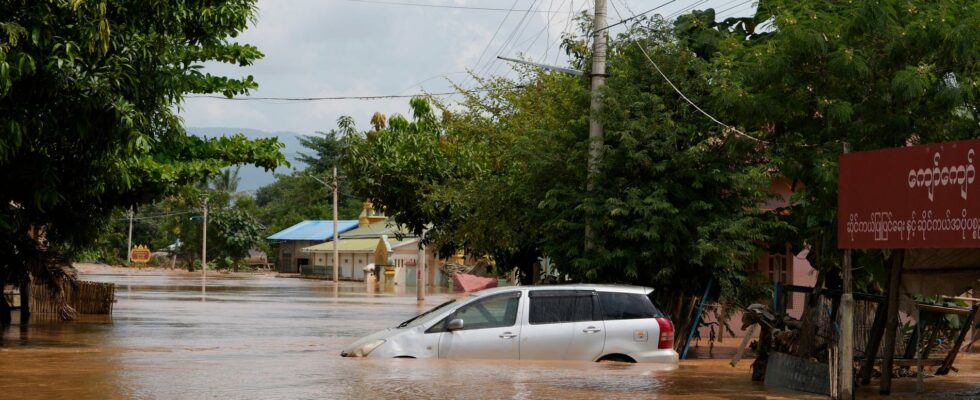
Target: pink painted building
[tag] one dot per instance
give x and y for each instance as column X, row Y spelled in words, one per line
column 785, row 267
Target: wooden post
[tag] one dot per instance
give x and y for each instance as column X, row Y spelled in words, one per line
column 877, row 330
column 745, row 343
column 919, row 373
column 948, row 362
column 25, row 301
column 891, row 324
column 845, row 344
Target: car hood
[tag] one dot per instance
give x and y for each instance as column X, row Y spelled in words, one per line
column 382, row 334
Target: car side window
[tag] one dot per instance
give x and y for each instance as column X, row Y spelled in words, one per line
column 627, row 306
column 492, row 312
column 557, row 306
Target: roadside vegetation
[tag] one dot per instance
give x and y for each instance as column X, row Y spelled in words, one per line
column 88, row 123
column 88, row 131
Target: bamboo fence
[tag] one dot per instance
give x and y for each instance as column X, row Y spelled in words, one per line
column 86, row 298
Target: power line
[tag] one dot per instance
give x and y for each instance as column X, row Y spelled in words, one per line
column 158, row 215
column 511, row 39
column 735, row 6
column 452, row 6
column 307, row 99
column 625, row 20
column 679, row 92
column 490, row 43
column 684, row 10
column 546, row 28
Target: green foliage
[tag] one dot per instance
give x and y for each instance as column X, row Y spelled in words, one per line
column 87, row 122
column 237, row 233
column 677, row 199
column 298, row 196
column 676, row 202
column 402, row 165
column 873, row 74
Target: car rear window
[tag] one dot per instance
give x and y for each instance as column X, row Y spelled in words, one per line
column 627, row 306
column 557, row 306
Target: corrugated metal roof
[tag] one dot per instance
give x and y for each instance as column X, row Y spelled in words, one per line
column 313, row 230
column 375, row 230
column 349, row 246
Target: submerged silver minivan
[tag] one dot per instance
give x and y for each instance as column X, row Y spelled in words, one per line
column 563, row 322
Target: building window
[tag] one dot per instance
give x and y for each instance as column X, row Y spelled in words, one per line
column 779, row 269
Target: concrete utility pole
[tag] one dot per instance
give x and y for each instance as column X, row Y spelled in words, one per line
column 204, row 249
column 336, row 254
column 595, row 125
column 845, row 344
column 129, row 238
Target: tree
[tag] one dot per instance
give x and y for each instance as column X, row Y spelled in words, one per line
column 298, row 196
column 873, row 74
column 237, row 232
column 676, row 203
column 87, row 122
column 402, row 165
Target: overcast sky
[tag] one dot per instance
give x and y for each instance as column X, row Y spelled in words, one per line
column 327, row 48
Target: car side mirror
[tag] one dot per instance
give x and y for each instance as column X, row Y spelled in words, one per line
column 454, row 325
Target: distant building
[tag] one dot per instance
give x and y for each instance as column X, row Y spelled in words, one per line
column 360, row 247
column 307, row 233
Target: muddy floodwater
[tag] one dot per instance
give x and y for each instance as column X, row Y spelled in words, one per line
column 263, row 337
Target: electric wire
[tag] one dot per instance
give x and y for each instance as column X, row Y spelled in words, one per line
column 447, row 6
column 625, row 20
column 735, row 6
column 546, row 28
column 476, row 65
column 568, row 25
column 157, row 215
column 684, row 10
column 511, row 40
column 679, row 92
column 327, row 98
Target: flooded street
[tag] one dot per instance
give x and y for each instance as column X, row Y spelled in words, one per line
column 265, row 337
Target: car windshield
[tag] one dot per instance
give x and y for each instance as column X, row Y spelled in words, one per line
column 421, row 318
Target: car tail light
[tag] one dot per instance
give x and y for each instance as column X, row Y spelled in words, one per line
column 666, row 334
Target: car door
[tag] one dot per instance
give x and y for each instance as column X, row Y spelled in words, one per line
column 562, row 325
column 630, row 321
column 490, row 329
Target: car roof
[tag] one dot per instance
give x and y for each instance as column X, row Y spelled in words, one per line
column 575, row 286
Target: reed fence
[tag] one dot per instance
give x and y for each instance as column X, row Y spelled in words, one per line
column 86, row 298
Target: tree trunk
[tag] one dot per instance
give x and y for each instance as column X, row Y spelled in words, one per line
column 762, row 357
column 808, row 331
column 5, row 310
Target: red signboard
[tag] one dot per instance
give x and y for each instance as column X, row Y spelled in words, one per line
column 909, row 197
column 139, row 254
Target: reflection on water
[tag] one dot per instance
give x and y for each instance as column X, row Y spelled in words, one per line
column 276, row 338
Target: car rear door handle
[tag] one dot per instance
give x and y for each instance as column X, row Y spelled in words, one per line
column 507, row 335
column 591, row 329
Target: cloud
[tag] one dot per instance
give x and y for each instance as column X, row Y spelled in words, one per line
column 337, row 48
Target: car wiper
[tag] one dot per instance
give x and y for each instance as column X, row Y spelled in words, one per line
column 405, row 324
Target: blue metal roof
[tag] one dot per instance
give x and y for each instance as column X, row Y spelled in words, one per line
column 313, row 230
